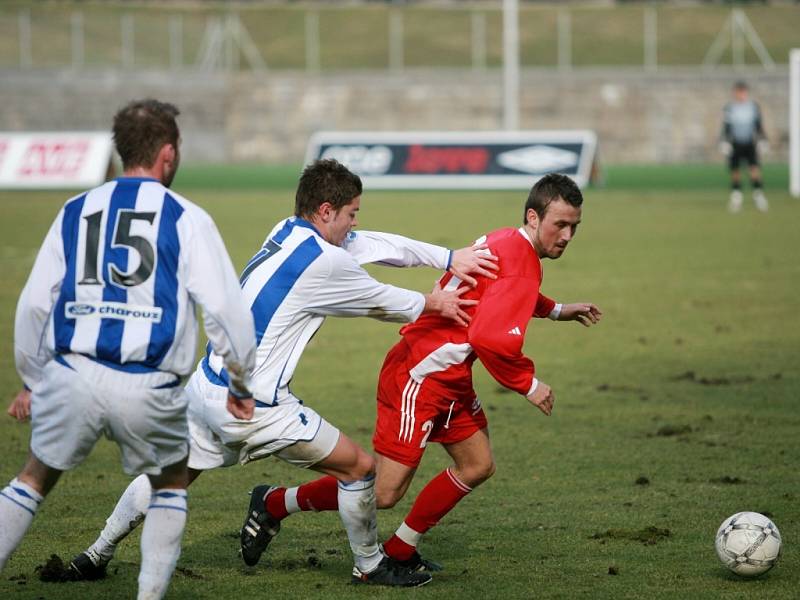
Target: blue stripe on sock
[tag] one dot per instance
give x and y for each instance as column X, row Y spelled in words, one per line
column 4, row 495
column 169, row 495
column 23, row 493
column 347, row 485
column 167, row 506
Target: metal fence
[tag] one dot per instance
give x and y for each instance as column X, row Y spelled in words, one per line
column 328, row 38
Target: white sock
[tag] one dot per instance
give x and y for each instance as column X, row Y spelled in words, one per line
column 161, row 541
column 18, row 504
column 290, row 500
column 127, row 516
column 410, row 536
column 359, row 514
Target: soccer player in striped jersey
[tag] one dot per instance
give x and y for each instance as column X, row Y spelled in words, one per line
column 425, row 391
column 308, row 268
column 105, row 329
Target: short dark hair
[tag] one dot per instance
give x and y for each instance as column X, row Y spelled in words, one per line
column 325, row 180
column 740, row 85
column 551, row 187
column 142, row 128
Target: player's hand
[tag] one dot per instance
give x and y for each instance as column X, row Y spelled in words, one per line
column 585, row 313
column 449, row 304
column 725, row 148
column 20, row 407
column 762, row 146
column 542, row 398
column 241, row 408
column 475, row 260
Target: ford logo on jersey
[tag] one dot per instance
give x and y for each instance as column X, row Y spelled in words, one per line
column 75, row 309
column 113, row 310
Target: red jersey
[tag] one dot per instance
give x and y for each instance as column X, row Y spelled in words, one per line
column 442, row 352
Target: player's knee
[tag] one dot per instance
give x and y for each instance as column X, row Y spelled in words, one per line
column 487, row 470
column 173, row 476
column 363, row 467
column 387, row 498
column 475, row 474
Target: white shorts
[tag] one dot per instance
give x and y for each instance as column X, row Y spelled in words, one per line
column 291, row 431
column 77, row 400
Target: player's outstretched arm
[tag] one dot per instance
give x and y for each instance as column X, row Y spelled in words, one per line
column 542, row 398
column 393, row 250
column 20, row 407
column 473, row 260
column 585, row 313
column 449, row 304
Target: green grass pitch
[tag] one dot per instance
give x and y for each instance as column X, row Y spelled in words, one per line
column 691, row 381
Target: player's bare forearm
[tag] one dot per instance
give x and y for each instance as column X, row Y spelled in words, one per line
column 473, row 260
column 585, row 313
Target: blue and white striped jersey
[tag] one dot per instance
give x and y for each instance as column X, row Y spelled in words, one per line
column 117, row 279
column 297, row 279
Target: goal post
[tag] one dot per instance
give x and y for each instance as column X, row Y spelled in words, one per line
column 794, row 122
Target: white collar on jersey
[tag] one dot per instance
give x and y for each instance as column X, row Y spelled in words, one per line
column 526, row 236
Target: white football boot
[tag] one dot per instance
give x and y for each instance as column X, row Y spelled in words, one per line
column 735, row 203
column 760, row 200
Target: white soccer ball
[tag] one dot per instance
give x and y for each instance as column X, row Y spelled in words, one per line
column 748, row 543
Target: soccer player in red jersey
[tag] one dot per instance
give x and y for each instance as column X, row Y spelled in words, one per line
column 425, row 391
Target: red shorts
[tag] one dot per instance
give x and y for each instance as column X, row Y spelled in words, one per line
column 411, row 414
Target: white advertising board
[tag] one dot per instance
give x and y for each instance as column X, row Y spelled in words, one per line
column 458, row 160
column 54, row 160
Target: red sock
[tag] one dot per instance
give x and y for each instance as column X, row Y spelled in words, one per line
column 320, row 494
column 436, row 499
column 276, row 505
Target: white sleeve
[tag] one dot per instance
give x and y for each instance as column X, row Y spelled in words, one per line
column 395, row 250
column 349, row 291
column 36, row 305
column 212, row 283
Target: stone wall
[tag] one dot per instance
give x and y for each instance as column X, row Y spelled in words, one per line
column 672, row 116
